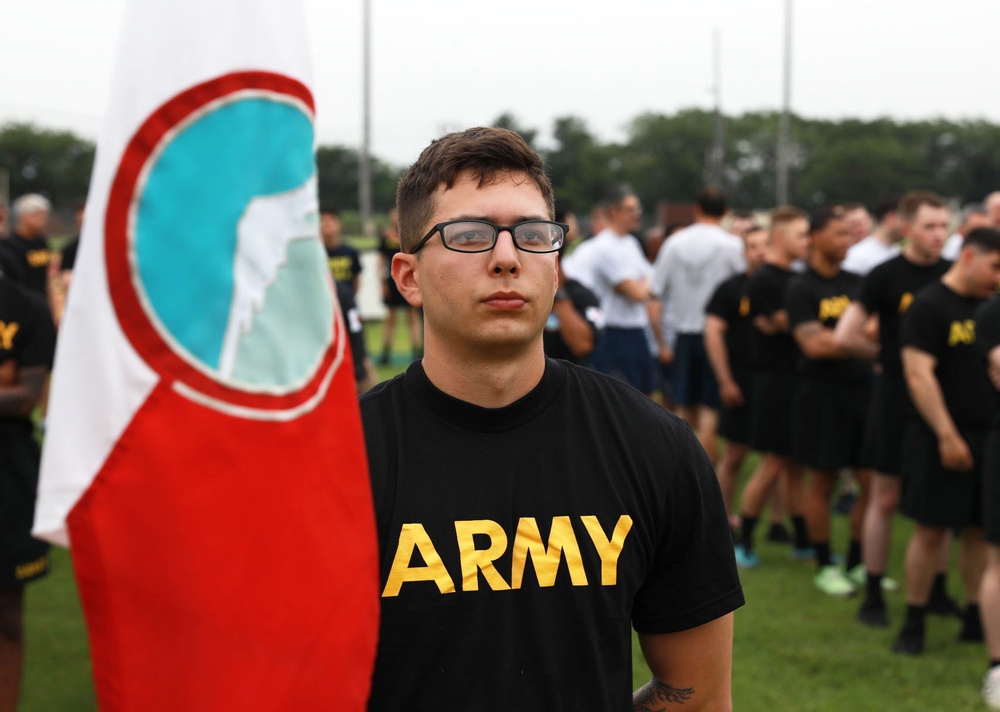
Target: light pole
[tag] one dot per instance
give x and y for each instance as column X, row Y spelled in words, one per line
column 784, row 125
column 364, row 163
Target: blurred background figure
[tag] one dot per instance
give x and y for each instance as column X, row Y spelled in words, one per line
column 394, row 302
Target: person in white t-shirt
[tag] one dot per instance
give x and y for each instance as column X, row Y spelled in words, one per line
column 881, row 245
column 612, row 265
column 691, row 264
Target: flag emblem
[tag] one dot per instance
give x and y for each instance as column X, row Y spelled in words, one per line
column 212, row 240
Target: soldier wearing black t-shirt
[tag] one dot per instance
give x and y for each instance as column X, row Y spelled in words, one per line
column 773, row 358
column 832, row 395
column 943, row 441
column 343, row 260
column 988, row 341
column 529, row 510
column 27, row 342
column 728, row 331
column 25, row 254
column 886, row 293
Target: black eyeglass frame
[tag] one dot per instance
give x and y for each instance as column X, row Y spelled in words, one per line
column 439, row 228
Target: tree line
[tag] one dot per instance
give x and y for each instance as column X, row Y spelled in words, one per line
column 664, row 157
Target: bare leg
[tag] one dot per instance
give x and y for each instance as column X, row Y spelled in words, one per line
column 388, row 332
column 817, row 505
column 728, row 472
column 989, row 601
column 708, row 430
column 864, row 478
column 416, row 338
column 877, row 530
column 921, row 563
column 972, row 562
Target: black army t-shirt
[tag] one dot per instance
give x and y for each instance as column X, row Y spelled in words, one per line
column 987, row 339
column 587, row 305
column 26, row 262
column 942, row 323
column 731, row 303
column 519, row 544
column 766, row 292
column 344, row 263
column 888, row 291
column 812, row 297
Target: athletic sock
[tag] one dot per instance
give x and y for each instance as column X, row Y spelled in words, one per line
column 801, row 533
column 822, row 553
column 972, row 625
column 747, row 525
column 873, row 590
column 940, row 586
column 853, row 554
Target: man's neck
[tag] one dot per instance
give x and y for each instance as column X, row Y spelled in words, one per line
column 707, row 220
column 26, row 235
column 823, row 266
column 333, row 242
column 915, row 257
column 884, row 235
column 956, row 282
column 487, row 382
column 779, row 259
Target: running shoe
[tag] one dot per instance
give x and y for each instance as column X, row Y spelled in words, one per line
column 746, row 559
column 991, row 688
column 874, row 614
column 832, row 581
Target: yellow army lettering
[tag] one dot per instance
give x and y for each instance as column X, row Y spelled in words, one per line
column 39, row 258
column 744, row 306
column 962, row 332
column 32, row 568
column 545, row 556
column 904, row 302
column 8, row 329
column 833, row 307
column 340, row 267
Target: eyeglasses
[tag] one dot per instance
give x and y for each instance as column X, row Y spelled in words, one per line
column 481, row 236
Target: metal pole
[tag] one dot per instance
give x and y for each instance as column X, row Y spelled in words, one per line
column 364, row 165
column 784, row 126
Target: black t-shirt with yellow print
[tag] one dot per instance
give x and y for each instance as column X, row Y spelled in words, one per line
column 26, row 262
column 942, row 323
column 887, row 291
column 518, row 545
column 731, row 303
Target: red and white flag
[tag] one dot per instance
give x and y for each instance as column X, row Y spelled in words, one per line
column 204, row 454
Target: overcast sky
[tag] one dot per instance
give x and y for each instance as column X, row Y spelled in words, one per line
column 446, row 64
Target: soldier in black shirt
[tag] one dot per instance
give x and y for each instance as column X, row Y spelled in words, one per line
column 529, row 510
column 773, row 357
column 831, row 399
column 25, row 254
column 944, row 437
column 728, row 331
column 27, row 342
column 988, row 341
column 886, row 293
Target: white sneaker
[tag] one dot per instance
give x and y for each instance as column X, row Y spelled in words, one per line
column 991, row 688
column 832, row 581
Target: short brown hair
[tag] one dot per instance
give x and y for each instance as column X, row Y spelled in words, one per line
column 489, row 153
column 910, row 203
column 785, row 214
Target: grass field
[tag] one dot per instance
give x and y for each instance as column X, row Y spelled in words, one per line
column 794, row 649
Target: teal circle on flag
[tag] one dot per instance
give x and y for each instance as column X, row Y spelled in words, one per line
column 225, row 254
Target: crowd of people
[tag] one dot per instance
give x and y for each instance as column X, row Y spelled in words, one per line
column 837, row 346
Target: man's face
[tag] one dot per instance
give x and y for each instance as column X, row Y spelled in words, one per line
column 329, row 226
column 794, row 238
column 833, row 240
column 859, row 223
column 928, row 231
column 32, row 223
column 982, row 270
column 974, row 220
column 492, row 303
column 626, row 215
column 756, row 248
column 740, row 226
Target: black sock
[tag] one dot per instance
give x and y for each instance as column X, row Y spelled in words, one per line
column 801, row 533
column 939, row 589
column 822, row 553
column 853, row 554
column 747, row 525
column 972, row 624
column 914, row 622
column 874, row 590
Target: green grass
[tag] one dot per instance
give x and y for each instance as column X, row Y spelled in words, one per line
column 794, row 648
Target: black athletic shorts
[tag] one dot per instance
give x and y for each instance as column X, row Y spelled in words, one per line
column 22, row 557
column 887, row 417
column 734, row 423
column 771, row 412
column 828, row 423
column 932, row 495
column 393, row 298
column 991, row 487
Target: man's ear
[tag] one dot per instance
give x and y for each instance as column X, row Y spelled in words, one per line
column 404, row 274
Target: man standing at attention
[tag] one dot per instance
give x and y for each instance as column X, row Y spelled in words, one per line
column 25, row 254
column 691, row 264
column 528, row 509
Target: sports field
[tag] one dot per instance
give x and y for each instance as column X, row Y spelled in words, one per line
column 795, row 649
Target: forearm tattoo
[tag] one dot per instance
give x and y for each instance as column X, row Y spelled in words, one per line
column 656, row 695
